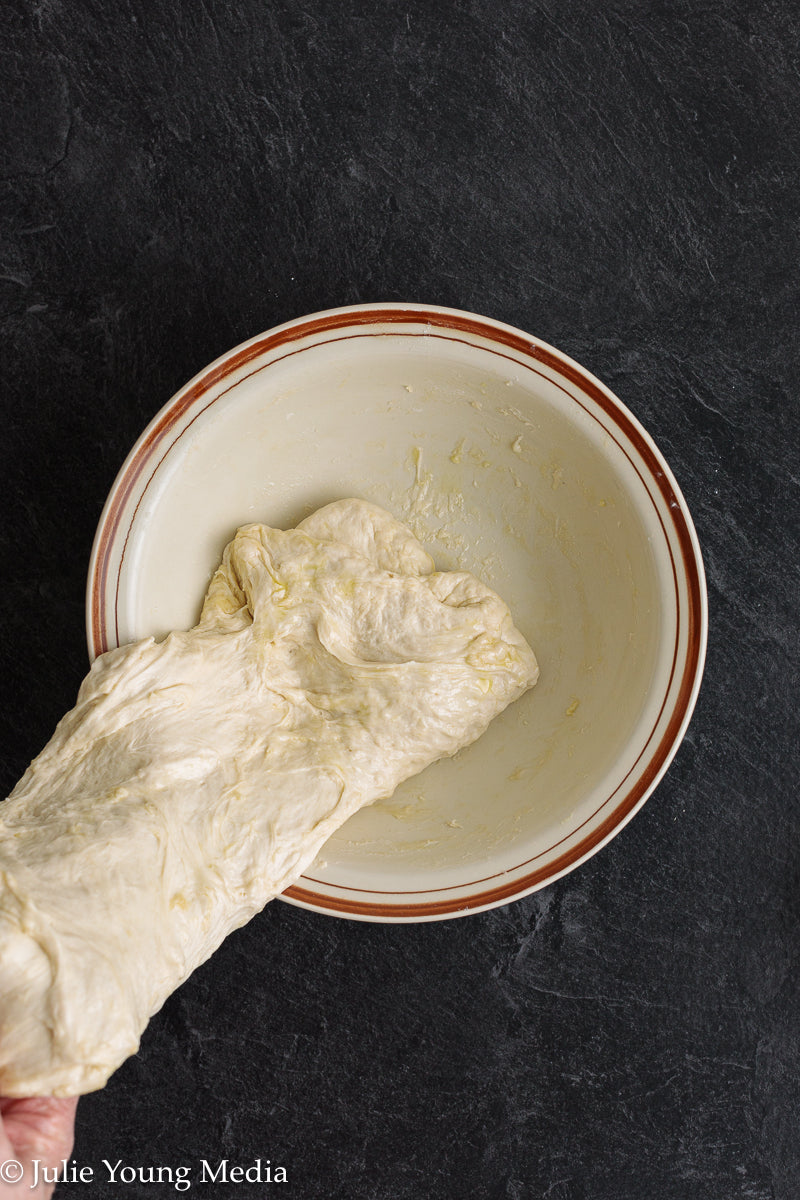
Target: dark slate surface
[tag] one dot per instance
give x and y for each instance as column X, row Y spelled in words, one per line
column 621, row 180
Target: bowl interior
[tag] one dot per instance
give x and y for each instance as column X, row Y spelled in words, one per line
column 499, row 470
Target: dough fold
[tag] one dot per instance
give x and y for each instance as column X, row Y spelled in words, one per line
column 197, row 777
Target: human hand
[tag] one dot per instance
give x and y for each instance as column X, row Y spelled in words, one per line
column 35, row 1135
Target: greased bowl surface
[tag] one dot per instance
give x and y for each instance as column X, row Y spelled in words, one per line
column 507, row 459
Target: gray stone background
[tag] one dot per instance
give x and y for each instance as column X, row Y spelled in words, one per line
column 621, row 180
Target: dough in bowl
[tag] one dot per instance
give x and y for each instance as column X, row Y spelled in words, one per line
column 197, row 777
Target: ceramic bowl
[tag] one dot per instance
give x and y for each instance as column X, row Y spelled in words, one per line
column 507, row 459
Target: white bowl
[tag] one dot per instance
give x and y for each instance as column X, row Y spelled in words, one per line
column 506, row 458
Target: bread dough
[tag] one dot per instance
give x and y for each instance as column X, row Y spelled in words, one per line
column 197, row 777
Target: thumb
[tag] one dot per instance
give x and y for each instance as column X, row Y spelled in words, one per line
column 39, row 1127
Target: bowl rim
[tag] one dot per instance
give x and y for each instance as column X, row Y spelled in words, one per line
column 367, row 317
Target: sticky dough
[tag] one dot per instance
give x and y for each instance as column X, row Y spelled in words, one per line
column 197, row 777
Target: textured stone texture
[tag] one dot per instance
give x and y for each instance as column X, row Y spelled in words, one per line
column 621, row 179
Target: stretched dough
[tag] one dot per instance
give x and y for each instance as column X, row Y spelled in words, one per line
column 197, row 777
